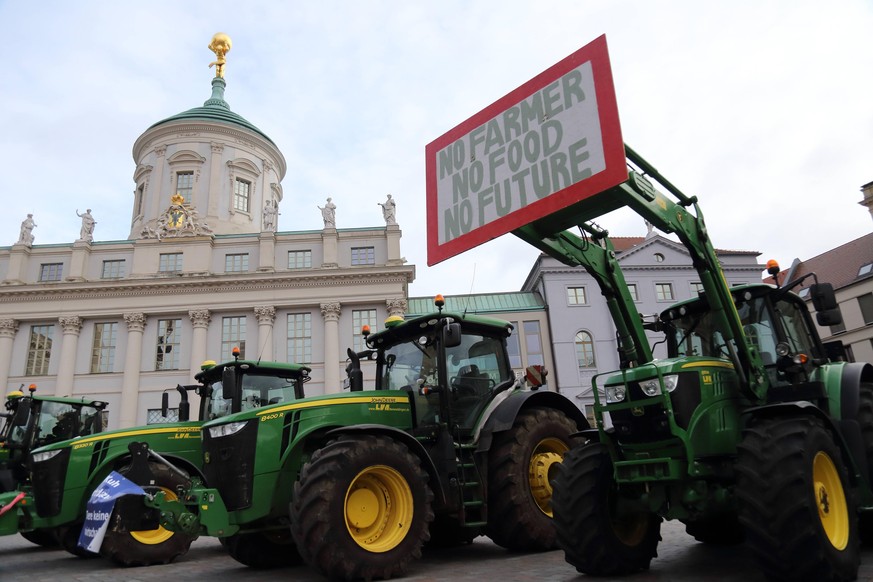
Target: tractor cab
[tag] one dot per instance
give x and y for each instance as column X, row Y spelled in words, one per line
column 451, row 365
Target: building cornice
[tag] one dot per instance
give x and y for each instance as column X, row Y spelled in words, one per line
column 182, row 284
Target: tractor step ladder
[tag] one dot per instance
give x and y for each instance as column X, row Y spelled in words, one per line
column 472, row 486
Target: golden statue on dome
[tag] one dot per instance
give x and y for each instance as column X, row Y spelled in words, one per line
column 220, row 45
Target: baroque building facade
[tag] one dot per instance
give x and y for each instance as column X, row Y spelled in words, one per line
column 204, row 269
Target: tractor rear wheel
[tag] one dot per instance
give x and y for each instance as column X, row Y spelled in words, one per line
column 361, row 508
column 147, row 547
column 596, row 538
column 267, row 549
column 521, row 465
column 865, row 420
column 796, row 501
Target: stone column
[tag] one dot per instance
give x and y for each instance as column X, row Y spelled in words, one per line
column 266, row 315
column 132, row 363
column 331, row 313
column 71, row 325
column 396, row 306
column 329, row 248
column 158, row 198
column 392, row 233
column 199, row 323
column 267, row 252
column 8, row 329
column 215, row 190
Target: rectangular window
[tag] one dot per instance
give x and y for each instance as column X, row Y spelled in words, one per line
column 360, row 318
column 50, row 271
column 39, row 351
column 664, row 291
column 533, row 343
column 576, row 296
column 299, row 259
column 363, row 256
column 103, row 348
column 170, row 262
column 113, row 269
column 233, row 334
column 237, row 263
column 632, row 289
column 866, row 304
column 241, row 190
column 167, row 349
column 155, row 416
column 185, row 185
column 299, row 338
column 696, row 288
column 513, row 348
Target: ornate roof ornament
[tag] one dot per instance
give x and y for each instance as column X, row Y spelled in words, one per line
column 180, row 219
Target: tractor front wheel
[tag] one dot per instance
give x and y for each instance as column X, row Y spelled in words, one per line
column 147, row 547
column 521, row 466
column 598, row 537
column 361, row 508
column 796, row 502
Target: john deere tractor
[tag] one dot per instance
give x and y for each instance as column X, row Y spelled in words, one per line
column 33, row 420
column 751, row 428
column 446, row 446
column 65, row 473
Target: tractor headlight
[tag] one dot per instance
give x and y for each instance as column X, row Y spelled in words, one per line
column 616, row 393
column 223, row 430
column 43, row 457
column 653, row 387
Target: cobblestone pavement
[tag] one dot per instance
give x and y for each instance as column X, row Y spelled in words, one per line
column 680, row 559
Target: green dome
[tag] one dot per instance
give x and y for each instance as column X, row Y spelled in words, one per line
column 215, row 109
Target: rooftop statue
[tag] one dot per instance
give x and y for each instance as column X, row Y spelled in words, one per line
column 220, row 45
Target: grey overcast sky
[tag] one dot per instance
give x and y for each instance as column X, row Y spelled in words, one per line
column 764, row 110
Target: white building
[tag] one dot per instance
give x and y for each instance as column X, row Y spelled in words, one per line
column 204, row 269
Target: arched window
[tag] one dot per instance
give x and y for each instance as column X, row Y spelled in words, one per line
column 585, row 350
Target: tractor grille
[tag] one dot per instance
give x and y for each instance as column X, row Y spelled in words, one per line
column 649, row 422
column 229, row 465
column 48, row 483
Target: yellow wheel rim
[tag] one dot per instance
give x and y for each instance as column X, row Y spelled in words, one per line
column 546, row 456
column 379, row 508
column 830, row 499
column 631, row 529
column 159, row 535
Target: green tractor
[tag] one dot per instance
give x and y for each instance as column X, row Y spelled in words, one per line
column 32, row 421
column 751, row 429
column 449, row 445
column 64, row 474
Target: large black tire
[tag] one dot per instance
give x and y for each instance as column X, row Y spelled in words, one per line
column 68, row 537
column 595, row 539
column 147, row 547
column 865, row 420
column 361, row 508
column 721, row 530
column 268, row 549
column 796, row 501
column 521, row 466
column 45, row 537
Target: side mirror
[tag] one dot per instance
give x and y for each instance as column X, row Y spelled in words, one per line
column 823, row 296
column 452, row 335
column 165, row 404
column 22, row 412
column 829, row 317
column 228, row 383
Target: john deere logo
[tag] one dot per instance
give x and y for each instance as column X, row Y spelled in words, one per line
column 638, row 411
